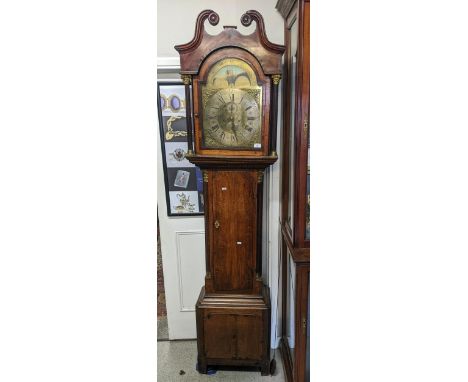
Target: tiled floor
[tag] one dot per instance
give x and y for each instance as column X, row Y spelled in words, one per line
column 177, row 361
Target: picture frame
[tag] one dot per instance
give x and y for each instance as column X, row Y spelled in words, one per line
column 183, row 180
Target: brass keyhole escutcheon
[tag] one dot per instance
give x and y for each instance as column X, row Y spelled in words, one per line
column 217, row 225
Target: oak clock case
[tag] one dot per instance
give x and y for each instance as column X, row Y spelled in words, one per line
column 234, row 79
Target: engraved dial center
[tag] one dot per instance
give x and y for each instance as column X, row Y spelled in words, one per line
column 233, row 117
column 230, row 117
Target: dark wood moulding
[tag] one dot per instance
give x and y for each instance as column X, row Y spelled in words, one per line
column 233, row 162
column 194, row 52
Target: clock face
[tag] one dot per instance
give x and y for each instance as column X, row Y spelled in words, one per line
column 232, row 114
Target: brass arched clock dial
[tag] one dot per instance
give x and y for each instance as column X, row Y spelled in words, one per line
column 232, row 115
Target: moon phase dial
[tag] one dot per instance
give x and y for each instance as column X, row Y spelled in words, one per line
column 232, row 119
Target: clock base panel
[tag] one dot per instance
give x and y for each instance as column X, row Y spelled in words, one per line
column 233, row 331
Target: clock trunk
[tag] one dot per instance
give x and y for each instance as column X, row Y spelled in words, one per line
column 232, row 246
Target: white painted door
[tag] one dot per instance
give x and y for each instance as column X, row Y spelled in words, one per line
column 182, row 247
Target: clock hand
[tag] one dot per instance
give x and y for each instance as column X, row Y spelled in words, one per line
column 233, row 126
column 234, row 132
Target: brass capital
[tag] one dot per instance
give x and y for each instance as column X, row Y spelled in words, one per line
column 260, row 176
column 186, row 79
column 205, row 176
column 276, row 78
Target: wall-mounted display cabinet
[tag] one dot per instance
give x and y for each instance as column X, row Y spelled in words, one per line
column 295, row 199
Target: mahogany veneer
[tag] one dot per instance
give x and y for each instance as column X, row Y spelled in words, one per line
column 233, row 309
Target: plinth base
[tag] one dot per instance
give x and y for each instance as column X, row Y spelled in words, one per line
column 233, row 330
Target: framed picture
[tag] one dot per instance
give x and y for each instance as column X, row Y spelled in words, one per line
column 183, row 180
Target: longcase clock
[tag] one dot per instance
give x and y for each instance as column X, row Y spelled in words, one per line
column 232, row 82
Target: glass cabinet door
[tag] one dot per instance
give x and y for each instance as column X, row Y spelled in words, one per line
column 292, row 118
column 295, row 190
column 291, row 305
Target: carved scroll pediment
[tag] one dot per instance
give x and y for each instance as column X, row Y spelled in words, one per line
column 193, row 53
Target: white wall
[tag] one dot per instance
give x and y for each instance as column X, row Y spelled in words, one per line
column 176, row 25
column 176, row 20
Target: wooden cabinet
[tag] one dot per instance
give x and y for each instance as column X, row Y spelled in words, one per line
column 295, row 220
column 295, row 330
